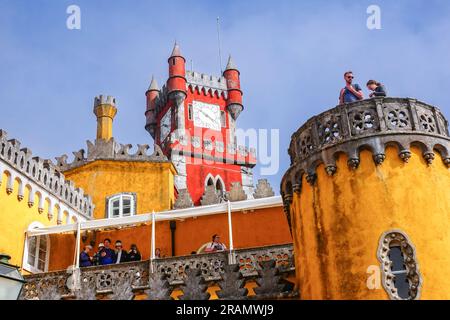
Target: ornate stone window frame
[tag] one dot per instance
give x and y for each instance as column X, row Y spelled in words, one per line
column 108, row 206
column 410, row 259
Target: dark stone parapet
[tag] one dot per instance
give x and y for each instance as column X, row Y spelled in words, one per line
column 124, row 281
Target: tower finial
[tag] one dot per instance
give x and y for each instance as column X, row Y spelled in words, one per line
column 176, row 52
column 153, row 85
column 231, row 65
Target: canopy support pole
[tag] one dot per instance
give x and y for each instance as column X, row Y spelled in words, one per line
column 231, row 255
column 153, row 240
column 76, row 274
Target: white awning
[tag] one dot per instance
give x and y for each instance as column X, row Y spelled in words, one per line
column 180, row 214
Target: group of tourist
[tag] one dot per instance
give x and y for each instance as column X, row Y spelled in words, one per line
column 353, row 92
column 106, row 255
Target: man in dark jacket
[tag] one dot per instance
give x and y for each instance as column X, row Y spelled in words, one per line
column 85, row 259
column 121, row 255
column 107, row 255
column 134, row 254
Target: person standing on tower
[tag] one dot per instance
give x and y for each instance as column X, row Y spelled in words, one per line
column 377, row 88
column 351, row 92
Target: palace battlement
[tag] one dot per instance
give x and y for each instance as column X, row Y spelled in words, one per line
column 101, row 100
column 109, row 150
column 206, row 84
column 41, row 177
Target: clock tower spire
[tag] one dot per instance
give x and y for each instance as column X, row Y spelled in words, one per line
column 193, row 119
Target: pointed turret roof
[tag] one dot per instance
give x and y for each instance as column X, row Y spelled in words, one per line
column 153, row 85
column 231, row 65
column 176, row 52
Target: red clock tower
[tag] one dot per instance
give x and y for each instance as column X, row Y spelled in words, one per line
column 193, row 119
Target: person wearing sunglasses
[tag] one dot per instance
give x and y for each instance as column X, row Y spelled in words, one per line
column 121, row 255
column 351, row 92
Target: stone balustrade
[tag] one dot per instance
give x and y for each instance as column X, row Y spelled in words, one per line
column 190, row 274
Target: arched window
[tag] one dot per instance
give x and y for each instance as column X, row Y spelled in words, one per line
column 210, row 182
column 401, row 278
column 121, row 205
column 37, row 252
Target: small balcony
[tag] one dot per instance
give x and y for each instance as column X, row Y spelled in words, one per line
column 254, row 273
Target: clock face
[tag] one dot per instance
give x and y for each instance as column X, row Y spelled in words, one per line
column 206, row 115
column 165, row 125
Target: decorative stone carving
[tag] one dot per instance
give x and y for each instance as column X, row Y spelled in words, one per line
column 210, row 196
column 331, row 170
column 399, row 239
column 269, row 280
column 429, row 157
column 405, row 155
column 159, row 288
column 263, row 189
column 194, row 287
column 249, row 260
column 311, row 178
column 51, row 286
column 184, row 200
column 397, row 116
column 353, row 163
column 232, row 284
column 237, row 193
column 363, row 121
column 379, row 158
column 329, row 129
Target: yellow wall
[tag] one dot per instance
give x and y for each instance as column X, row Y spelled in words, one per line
column 151, row 181
column 338, row 224
column 15, row 218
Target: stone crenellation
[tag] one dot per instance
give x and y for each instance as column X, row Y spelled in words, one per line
column 205, row 83
column 101, row 100
column 263, row 189
column 46, row 175
column 110, row 150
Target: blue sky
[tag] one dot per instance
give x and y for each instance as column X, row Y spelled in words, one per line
column 291, row 54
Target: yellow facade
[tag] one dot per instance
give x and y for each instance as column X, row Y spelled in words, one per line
column 152, row 182
column 339, row 220
column 15, row 218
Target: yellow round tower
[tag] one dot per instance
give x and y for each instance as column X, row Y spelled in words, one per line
column 105, row 110
column 368, row 199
